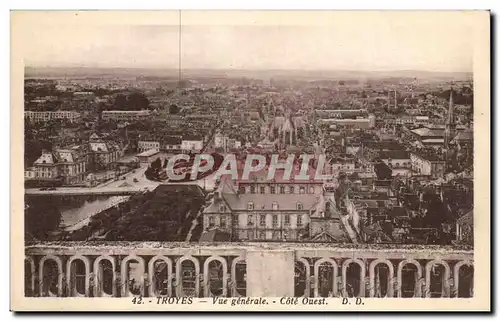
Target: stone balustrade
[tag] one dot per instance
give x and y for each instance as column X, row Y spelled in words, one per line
column 125, row 269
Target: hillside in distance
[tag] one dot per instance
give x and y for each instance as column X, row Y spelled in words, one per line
column 91, row 72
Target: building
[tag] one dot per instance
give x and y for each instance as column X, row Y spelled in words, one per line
column 103, row 152
column 171, row 144
column 60, row 166
column 148, row 156
column 125, row 115
column 341, row 163
column 225, row 143
column 29, row 173
column 280, row 209
column 83, row 95
column 465, row 228
column 372, row 120
column 43, row 116
column 144, row 145
column 287, row 130
column 395, row 158
column 427, row 164
column 192, row 144
column 356, row 123
column 340, row 113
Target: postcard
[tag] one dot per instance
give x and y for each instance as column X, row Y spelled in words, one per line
column 250, row 161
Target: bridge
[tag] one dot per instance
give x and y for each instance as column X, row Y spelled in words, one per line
column 76, row 191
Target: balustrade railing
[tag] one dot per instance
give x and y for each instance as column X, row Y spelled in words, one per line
column 183, row 269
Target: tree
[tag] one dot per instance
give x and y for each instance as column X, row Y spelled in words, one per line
column 132, row 101
column 173, row 109
column 156, row 164
column 382, row 171
column 41, row 216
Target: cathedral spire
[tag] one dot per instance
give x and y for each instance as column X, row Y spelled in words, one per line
column 451, row 116
column 449, row 131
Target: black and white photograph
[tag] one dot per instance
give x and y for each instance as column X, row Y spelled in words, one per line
column 251, row 161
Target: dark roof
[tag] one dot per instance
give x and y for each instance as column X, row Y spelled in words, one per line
column 397, row 211
column 192, row 137
column 383, row 145
column 428, row 156
column 394, row 154
column 171, row 140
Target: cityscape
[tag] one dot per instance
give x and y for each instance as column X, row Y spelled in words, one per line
column 391, row 216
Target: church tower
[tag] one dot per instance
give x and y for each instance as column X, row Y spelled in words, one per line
column 449, row 130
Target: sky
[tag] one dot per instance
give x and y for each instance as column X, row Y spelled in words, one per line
column 345, row 42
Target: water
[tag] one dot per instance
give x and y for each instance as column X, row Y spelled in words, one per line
column 74, row 218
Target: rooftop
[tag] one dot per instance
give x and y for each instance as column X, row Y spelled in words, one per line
column 148, row 153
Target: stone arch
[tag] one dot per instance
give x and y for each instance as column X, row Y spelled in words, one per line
column 179, row 276
column 206, row 276
column 390, row 277
column 335, row 267
column 362, row 274
column 69, row 276
column 125, row 274
column 99, row 284
column 307, row 289
column 151, row 274
column 418, row 288
column 59, row 275
column 456, row 274
column 29, row 287
column 234, row 281
column 445, row 292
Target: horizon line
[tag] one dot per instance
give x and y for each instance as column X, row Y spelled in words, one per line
column 249, row 69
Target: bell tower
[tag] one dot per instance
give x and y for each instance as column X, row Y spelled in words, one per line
column 450, row 127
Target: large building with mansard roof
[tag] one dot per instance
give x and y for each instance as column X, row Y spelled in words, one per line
column 259, row 209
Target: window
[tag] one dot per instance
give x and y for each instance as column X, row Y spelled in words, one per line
column 262, row 190
column 276, row 235
column 299, row 221
column 292, row 190
column 211, row 221
column 222, row 208
column 275, row 220
column 251, row 235
column 300, row 206
column 262, row 235
column 287, row 219
column 250, row 220
column 262, row 220
column 273, row 190
column 282, row 189
column 223, row 221
column 235, row 221
column 252, row 189
column 241, row 189
column 302, row 190
column 275, row 206
column 311, row 190
column 250, row 206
